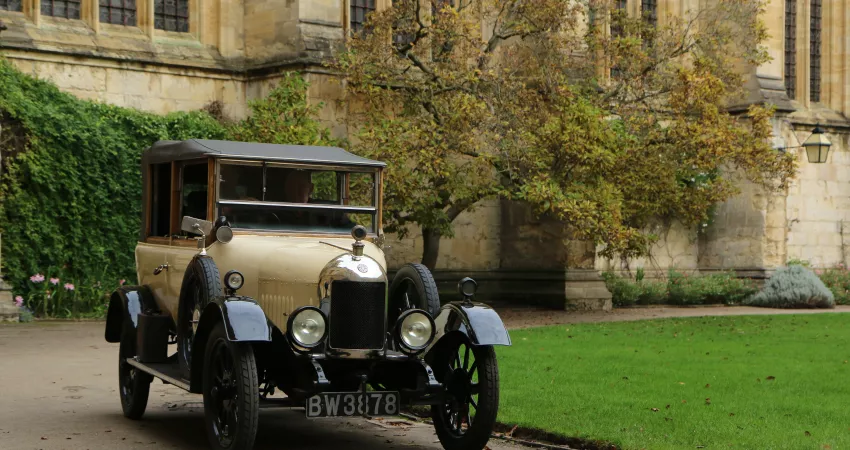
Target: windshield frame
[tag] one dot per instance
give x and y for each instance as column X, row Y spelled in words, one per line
column 376, row 210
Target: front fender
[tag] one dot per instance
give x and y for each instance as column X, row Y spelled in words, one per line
column 479, row 322
column 125, row 305
column 244, row 321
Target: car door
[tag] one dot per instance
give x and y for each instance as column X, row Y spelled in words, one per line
column 192, row 196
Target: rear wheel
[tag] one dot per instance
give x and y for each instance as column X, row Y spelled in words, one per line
column 231, row 392
column 133, row 384
column 471, row 378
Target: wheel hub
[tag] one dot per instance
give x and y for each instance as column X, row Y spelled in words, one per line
column 458, row 383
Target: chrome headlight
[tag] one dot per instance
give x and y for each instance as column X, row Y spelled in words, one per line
column 415, row 330
column 307, row 326
column 234, row 280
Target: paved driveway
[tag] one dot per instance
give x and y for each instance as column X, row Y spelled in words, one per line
column 58, row 391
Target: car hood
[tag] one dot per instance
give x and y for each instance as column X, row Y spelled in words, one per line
column 282, row 272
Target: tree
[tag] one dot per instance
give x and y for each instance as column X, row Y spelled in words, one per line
column 473, row 99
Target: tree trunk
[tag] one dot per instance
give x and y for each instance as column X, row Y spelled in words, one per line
column 430, row 248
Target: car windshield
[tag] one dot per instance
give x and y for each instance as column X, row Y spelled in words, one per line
column 271, row 196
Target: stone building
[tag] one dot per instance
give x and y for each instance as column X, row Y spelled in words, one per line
column 167, row 55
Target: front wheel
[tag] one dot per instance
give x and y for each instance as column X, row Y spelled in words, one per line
column 231, row 392
column 471, row 378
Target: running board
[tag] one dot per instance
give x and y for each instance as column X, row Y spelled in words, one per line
column 168, row 373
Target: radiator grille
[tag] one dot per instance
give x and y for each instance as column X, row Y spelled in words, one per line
column 357, row 315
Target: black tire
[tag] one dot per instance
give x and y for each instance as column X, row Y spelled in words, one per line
column 231, row 392
column 201, row 283
column 471, row 376
column 133, row 384
column 412, row 287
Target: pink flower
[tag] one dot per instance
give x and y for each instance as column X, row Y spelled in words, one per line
column 19, row 301
column 69, row 287
column 37, row 278
column 121, row 282
column 54, row 281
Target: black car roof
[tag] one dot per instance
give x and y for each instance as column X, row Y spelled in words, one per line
column 167, row 151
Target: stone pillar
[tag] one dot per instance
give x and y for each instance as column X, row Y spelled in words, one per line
column 584, row 289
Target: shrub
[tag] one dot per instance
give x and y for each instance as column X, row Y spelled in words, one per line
column 837, row 280
column 680, row 289
column 624, row 292
column 794, row 286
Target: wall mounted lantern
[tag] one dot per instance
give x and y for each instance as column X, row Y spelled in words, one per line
column 817, row 146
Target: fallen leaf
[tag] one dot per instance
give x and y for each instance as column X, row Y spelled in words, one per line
column 707, row 401
column 625, row 378
column 511, row 433
column 770, row 378
column 681, row 383
column 43, row 438
column 668, row 406
column 827, row 446
column 731, row 414
column 667, row 419
column 654, row 409
column 807, row 433
column 684, row 401
column 707, row 386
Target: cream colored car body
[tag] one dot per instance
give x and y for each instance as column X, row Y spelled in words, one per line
column 281, row 270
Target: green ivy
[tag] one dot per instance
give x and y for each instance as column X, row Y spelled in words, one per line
column 70, row 196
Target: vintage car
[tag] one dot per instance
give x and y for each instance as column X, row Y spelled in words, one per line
column 261, row 268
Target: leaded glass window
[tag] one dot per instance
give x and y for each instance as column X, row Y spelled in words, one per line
column 359, row 10
column 171, row 15
column 791, row 48
column 649, row 11
column 815, row 56
column 119, row 12
column 68, row 9
column 11, row 5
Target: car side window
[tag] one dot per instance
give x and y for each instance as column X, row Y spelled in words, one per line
column 194, row 191
column 160, row 199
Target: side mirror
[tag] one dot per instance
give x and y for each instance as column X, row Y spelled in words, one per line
column 196, row 226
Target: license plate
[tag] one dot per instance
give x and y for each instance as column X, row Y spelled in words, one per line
column 330, row 404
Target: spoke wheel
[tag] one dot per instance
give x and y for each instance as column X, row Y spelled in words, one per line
column 231, row 392
column 133, row 384
column 470, row 375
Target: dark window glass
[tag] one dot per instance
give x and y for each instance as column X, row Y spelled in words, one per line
column 617, row 30
column 160, row 199
column 359, row 10
column 791, row 48
column 194, row 191
column 171, row 15
column 272, row 197
column 649, row 11
column 69, row 9
column 11, row 5
column 814, row 65
column 119, row 12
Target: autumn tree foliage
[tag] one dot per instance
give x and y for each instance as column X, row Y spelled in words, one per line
column 605, row 121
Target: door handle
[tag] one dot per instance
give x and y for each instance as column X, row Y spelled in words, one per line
column 160, row 268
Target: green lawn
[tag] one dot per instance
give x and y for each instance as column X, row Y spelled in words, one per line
column 751, row 382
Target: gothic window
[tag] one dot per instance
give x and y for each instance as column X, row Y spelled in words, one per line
column 791, row 48
column 617, row 31
column 69, row 9
column 649, row 11
column 359, row 9
column 11, row 5
column 120, row 12
column 815, row 45
column 171, row 15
